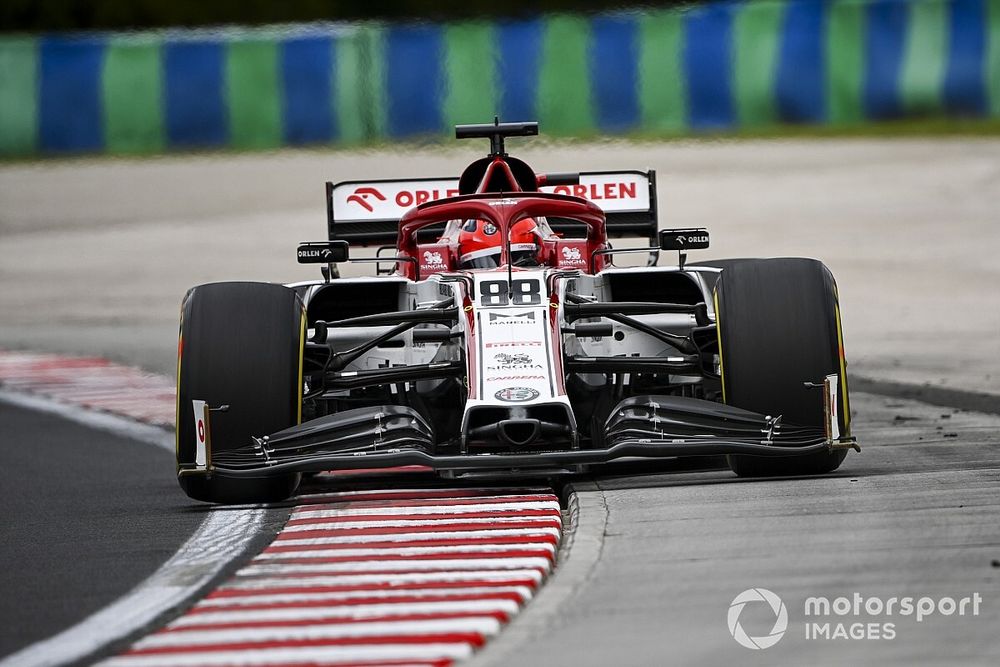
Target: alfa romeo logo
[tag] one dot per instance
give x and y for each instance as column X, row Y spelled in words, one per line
column 516, row 394
column 757, row 595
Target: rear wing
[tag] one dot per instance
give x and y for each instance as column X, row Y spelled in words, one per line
column 368, row 212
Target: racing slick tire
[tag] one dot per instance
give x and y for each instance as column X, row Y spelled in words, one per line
column 778, row 323
column 711, row 278
column 240, row 345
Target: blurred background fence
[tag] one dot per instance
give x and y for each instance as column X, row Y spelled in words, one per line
column 710, row 67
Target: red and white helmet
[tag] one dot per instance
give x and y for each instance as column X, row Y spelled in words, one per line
column 480, row 242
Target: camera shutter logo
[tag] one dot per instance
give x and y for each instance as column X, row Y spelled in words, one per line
column 780, row 618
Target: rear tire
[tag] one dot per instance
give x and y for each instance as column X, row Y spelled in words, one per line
column 240, row 345
column 778, row 328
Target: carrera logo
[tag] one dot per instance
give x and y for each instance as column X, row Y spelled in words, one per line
column 360, row 197
column 514, row 318
column 598, row 191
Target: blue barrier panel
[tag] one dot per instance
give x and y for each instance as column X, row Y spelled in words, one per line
column 965, row 79
column 800, row 83
column 414, row 80
column 707, row 54
column 520, row 47
column 614, row 60
column 71, row 118
column 652, row 70
column 193, row 78
column 307, row 66
column 884, row 39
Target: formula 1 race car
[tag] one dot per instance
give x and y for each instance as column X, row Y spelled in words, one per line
column 502, row 340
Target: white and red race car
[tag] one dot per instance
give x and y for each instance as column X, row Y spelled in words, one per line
column 530, row 355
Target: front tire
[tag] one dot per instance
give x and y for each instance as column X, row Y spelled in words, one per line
column 778, row 324
column 240, row 345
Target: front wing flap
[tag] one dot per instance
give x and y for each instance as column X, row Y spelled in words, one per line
column 640, row 427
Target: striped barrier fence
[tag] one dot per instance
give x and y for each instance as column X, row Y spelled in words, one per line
column 717, row 66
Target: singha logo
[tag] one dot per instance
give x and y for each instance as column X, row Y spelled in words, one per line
column 433, row 258
column 572, row 254
column 512, row 359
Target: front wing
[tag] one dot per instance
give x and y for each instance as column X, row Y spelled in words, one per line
column 648, row 427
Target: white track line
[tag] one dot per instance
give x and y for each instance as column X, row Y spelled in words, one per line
column 322, row 655
column 522, row 592
column 358, row 611
column 455, row 575
column 481, row 625
column 360, row 567
column 365, row 554
column 427, row 510
column 364, row 537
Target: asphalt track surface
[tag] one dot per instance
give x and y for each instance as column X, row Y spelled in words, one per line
column 658, row 558
column 88, row 515
column 96, row 255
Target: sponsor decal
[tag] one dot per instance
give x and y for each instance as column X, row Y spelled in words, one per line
column 572, row 254
column 503, row 358
column 512, row 362
column 389, row 200
column 361, row 195
column 518, row 343
column 598, row 191
column 305, row 253
column 512, row 318
column 489, row 229
column 202, row 432
column 516, row 394
column 511, row 378
column 408, row 198
column 433, row 259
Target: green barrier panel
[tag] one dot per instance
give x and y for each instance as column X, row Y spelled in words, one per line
column 661, row 82
column 359, row 86
column 133, row 104
column 756, row 38
column 993, row 56
column 564, row 78
column 470, row 73
column 845, row 44
column 253, row 92
column 924, row 57
column 18, row 96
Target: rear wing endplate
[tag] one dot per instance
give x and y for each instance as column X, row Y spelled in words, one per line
column 368, row 212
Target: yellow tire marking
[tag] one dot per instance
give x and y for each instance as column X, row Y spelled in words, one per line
column 718, row 338
column 302, row 347
column 843, row 372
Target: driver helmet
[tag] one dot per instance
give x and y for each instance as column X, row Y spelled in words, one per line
column 480, row 242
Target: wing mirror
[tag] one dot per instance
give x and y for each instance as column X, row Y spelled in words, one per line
column 683, row 239
column 323, row 252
